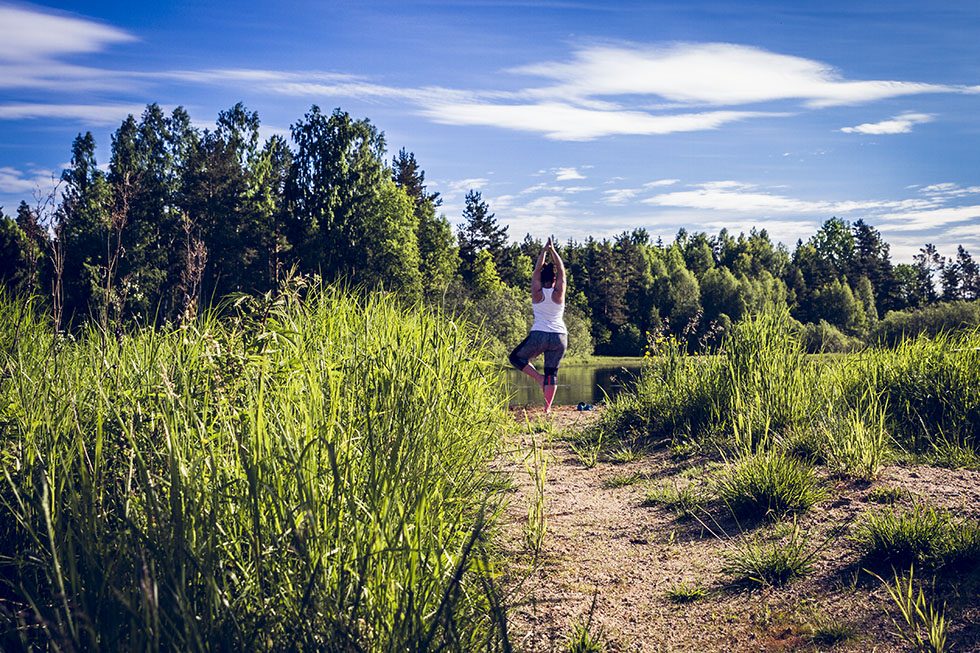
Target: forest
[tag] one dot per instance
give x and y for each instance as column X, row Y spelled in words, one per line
column 181, row 218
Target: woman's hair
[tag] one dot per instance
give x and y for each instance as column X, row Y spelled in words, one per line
column 547, row 274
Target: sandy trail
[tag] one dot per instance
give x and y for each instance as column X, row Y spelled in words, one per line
column 602, row 542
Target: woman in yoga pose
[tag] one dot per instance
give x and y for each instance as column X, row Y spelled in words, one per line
column 548, row 333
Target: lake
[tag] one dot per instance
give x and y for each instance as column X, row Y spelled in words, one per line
column 577, row 382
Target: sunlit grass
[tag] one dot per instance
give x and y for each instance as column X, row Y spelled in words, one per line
column 299, row 474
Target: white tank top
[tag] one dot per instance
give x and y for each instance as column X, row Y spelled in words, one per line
column 548, row 316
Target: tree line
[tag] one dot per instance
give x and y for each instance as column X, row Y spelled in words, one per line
column 181, row 217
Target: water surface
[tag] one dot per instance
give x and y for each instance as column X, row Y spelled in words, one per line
column 576, row 383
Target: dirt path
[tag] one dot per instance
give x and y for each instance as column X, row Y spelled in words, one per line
column 602, row 542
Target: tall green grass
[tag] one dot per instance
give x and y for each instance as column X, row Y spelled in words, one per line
column 761, row 391
column 305, row 475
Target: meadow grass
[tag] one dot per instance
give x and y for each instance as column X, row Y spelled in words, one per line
column 307, row 472
column 761, row 391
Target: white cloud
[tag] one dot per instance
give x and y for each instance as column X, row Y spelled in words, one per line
column 92, row 114
column 14, row 181
column 949, row 190
column 657, row 183
column 30, row 35
column 558, row 121
column 30, row 185
column 718, row 74
column 924, row 220
column 466, row 185
column 898, row 125
column 733, row 196
column 33, row 45
column 620, row 195
column 568, row 174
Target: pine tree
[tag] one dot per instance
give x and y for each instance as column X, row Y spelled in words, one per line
column 479, row 232
column 438, row 253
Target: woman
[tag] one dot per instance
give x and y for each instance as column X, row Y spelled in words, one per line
column 548, row 333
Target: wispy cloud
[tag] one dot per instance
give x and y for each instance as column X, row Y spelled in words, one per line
column 618, row 196
column 568, row 174
column 715, row 74
column 91, row 114
column 928, row 219
column 35, row 46
column 949, row 190
column 620, row 90
column 564, row 122
column 597, row 91
column 902, row 124
column 737, row 197
column 16, row 184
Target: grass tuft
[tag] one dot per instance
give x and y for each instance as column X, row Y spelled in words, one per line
column 686, row 500
column 920, row 623
column 767, row 485
column 921, row 535
column 886, row 494
column 770, row 560
column 683, row 592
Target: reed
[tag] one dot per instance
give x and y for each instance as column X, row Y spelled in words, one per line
column 761, row 391
column 306, row 472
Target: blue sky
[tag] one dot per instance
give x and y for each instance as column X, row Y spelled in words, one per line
column 572, row 118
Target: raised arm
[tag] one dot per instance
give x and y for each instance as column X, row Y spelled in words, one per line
column 558, row 296
column 536, row 294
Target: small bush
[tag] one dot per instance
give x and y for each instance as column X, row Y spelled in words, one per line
column 770, row 484
column 922, row 535
column 943, row 317
column 769, row 560
column 825, row 338
column 683, row 592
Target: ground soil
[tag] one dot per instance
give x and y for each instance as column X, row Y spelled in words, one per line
column 603, row 546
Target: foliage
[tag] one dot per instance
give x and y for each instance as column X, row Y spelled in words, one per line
column 929, row 320
column 824, row 338
column 282, row 478
column 185, row 216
